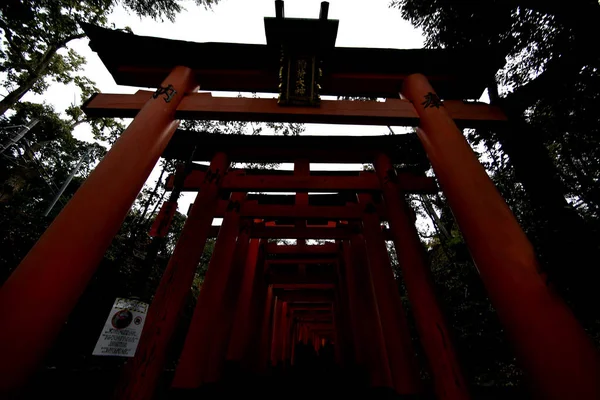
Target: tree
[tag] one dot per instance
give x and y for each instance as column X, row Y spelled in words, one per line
column 545, row 164
column 36, row 33
column 550, row 87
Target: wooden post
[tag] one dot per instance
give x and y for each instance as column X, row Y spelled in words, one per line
column 553, row 348
column 338, row 332
column 447, row 376
column 38, row 297
column 257, row 351
column 276, row 337
column 370, row 342
column 343, row 324
column 221, row 330
column 403, row 363
column 284, row 334
column 354, row 317
column 141, row 374
column 265, row 337
column 198, row 360
column 247, row 314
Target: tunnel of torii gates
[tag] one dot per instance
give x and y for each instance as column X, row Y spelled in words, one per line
column 260, row 298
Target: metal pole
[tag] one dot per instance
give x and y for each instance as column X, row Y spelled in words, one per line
column 19, row 135
column 66, row 184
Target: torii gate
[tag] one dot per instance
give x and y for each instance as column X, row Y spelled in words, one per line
column 253, row 320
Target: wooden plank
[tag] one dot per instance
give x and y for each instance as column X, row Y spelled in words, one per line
column 409, row 183
column 317, row 184
column 331, row 260
column 254, row 210
column 301, row 296
column 282, row 284
column 278, row 232
column 327, row 248
column 398, row 112
column 349, row 212
column 309, row 307
column 309, row 233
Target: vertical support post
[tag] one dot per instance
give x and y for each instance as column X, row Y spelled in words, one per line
column 343, row 324
column 38, row 297
column 247, row 315
column 196, row 360
column 403, row 363
column 276, row 336
column 553, row 348
column 284, row 334
column 221, row 329
column 294, row 340
column 257, row 352
column 353, row 317
column 265, row 337
column 370, row 339
column 141, row 374
column 448, row 379
column 338, row 332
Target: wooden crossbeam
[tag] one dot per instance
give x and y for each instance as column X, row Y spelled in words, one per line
column 302, row 315
column 292, row 250
column 320, row 326
column 302, row 307
column 349, row 212
column 290, row 232
column 202, row 106
column 299, row 296
column 288, row 286
column 409, row 183
column 251, row 209
column 278, row 232
column 302, row 260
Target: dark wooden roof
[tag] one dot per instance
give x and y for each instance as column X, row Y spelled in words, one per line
column 145, row 61
column 404, row 150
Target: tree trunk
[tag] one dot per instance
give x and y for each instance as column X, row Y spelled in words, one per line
column 566, row 243
column 151, row 197
column 35, row 74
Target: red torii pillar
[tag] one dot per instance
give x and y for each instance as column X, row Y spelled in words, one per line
column 40, row 294
column 247, row 315
column 447, row 376
column 197, row 361
column 370, row 340
column 353, row 299
column 553, row 348
column 276, row 333
column 222, row 329
column 264, row 334
column 284, row 334
column 343, row 325
column 141, row 374
column 258, row 351
column 403, row 362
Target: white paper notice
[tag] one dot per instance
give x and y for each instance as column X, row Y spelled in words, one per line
column 122, row 329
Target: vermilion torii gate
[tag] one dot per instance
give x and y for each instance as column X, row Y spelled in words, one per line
column 259, row 299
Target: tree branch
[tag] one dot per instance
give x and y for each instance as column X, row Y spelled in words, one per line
column 35, row 74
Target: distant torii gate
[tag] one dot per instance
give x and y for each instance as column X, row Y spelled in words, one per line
column 259, row 299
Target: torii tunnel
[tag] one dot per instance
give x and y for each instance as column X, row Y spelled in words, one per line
column 264, row 305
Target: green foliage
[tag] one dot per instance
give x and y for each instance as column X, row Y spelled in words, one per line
column 34, row 167
column 548, row 154
column 35, row 35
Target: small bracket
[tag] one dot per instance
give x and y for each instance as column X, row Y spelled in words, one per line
column 168, row 91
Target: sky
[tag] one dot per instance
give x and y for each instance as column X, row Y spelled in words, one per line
column 362, row 24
